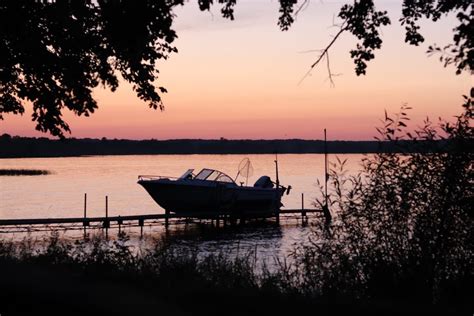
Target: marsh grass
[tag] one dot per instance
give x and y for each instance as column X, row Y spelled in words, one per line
column 161, row 275
column 23, row 172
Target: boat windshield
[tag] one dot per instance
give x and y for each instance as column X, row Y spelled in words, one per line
column 188, row 174
column 213, row 175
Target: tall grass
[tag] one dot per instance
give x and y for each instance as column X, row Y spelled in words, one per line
column 403, row 228
column 163, row 274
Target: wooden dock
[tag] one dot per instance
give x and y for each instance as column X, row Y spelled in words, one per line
column 141, row 218
column 107, row 222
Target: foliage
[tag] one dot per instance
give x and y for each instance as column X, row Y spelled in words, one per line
column 197, row 284
column 363, row 21
column 64, row 49
column 404, row 226
column 461, row 51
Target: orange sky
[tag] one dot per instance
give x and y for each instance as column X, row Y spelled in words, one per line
column 239, row 79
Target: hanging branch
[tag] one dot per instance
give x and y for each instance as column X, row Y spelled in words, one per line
column 324, row 52
column 330, row 74
column 303, row 6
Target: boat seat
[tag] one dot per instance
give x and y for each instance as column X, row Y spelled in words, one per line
column 263, row 182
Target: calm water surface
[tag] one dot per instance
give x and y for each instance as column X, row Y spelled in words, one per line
column 61, row 193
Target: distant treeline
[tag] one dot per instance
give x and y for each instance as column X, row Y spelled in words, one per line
column 15, row 147
column 23, row 172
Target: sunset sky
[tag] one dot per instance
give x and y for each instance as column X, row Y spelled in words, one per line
column 241, row 79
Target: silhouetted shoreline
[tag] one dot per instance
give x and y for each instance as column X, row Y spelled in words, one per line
column 23, row 147
column 23, row 172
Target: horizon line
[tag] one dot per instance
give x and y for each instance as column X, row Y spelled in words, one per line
column 188, row 139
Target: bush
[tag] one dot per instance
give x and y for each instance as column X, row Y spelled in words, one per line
column 403, row 227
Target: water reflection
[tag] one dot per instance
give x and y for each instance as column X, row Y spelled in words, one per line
column 264, row 240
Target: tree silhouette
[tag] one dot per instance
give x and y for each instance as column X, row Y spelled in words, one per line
column 54, row 53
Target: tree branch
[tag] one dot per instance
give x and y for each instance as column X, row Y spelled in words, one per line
column 324, row 52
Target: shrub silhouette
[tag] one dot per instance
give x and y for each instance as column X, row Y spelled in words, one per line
column 403, row 227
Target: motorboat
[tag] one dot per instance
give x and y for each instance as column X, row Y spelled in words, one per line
column 211, row 191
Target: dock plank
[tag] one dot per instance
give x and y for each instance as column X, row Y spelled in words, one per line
column 82, row 220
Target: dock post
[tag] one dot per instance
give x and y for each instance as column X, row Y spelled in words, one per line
column 119, row 222
column 167, row 214
column 85, row 215
column 303, row 211
column 326, row 212
column 141, row 222
column 106, row 223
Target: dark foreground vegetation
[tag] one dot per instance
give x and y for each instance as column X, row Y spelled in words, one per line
column 23, row 172
column 400, row 243
column 112, row 278
column 16, row 147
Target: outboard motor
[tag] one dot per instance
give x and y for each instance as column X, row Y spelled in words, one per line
column 264, row 182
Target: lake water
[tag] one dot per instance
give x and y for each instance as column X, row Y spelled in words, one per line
column 61, row 193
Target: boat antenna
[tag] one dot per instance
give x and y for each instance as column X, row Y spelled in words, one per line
column 276, row 169
column 327, row 213
column 325, row 168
